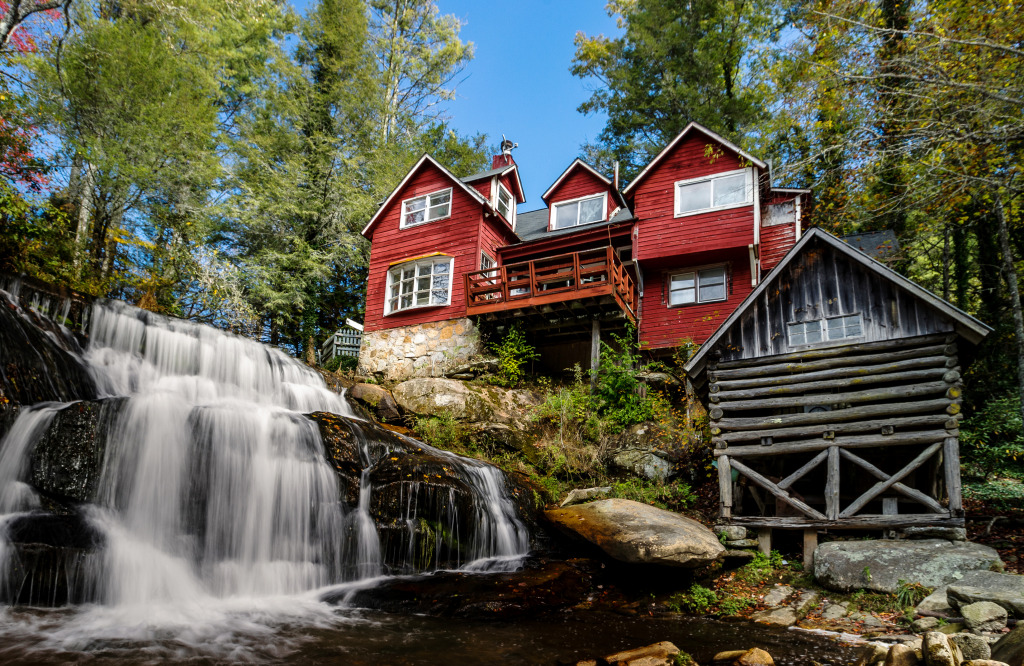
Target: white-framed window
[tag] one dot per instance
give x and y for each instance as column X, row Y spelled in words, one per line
column 585, row 210
column 505, row 205
column 429, row 207
column 698, row 286
column 486, row 262
column 727, row 190
column 419, row 284
column 779, row 213
column 845, row 326
column 804, row 332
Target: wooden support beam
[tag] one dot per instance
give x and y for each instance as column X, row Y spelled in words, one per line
column 863, row 521
column 764, row 540
column 595, row 352
column 890, row 506
column 776, row 491
column 852, row 397
column 929, row 374
column 724, row 488
column 836, row 415
column 773, row 368
column 843, row 350
column 807, row 467
column 882, row 486
column 832, row 484
column 912, row 493
column 951, row 465
column 933, row 362
column 810, row 545
column 934, row 420
column 855, row 442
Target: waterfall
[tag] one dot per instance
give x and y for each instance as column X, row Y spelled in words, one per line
column 214, row 484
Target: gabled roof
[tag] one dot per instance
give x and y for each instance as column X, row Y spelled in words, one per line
column 693, row 127
column 966, row 325
column 875, row 244
column 500, row 171
column 580, row 164
column 533, row 225
column 426, row 159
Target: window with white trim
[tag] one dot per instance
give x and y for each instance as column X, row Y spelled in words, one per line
column 780, row 213
column 728, row 190
column 587, row 210
column 485, row 261
column 701, row 286
column 804, row 332
column 506, row 204
column 845, row 326
column 430, row 207
column 419, row 284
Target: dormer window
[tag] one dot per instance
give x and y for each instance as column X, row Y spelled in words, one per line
column 585, row 210
column 506, row 204
column 433, row 206
column 727, row 190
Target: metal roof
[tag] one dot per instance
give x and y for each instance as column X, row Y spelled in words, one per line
column 533, row 225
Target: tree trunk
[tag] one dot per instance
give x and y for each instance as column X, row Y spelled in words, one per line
column 311, row 351
column 83, row 183
column 1010, row 273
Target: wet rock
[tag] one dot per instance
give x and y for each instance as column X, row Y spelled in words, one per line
column 581, row 495
column 378, row 399
column 658, row 654
column 879, row 565
column 644, row 463
column 731, row 532
column 728, row 655
column 539, row 588
column 972, row 646
column 426, row 396
column 637, row 533
column 777, row 595
column 936, row 532
column 340, row 438
column 58, row 531
column 939, row 651
column 755, row 657
column 784, row 617
column 1010, row 648
column 1004, row 589
column 984, row 616
column 67, row 461
column 901, row 655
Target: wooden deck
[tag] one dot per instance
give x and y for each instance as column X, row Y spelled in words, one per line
column 577, row 286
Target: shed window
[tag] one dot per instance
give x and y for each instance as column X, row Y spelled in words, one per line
column 581, row 211
column 433, row 206
column 805, row 332
column 847, row 326
column 700, row 286
column 735, row 188
column 418, row 284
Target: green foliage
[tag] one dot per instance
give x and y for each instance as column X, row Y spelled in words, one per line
column 673, row 496
column 513, row 353
column 1002, row 494
column 761, row 568
column 697, row 600
column 992, row 439
column 442, row 431
column 910, row 594
column 622, row 399
column 734, row 605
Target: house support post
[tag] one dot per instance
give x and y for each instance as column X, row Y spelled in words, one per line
column 595, row 353
column 810, row 545
column 764, row 540
column 951, row 462
column 724, row 488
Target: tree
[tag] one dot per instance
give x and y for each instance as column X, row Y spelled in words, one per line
column 13, row 13
column 676, row 63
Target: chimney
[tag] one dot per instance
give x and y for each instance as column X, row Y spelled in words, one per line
column 505, row 158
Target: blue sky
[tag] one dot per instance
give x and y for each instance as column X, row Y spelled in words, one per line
column 519, row 83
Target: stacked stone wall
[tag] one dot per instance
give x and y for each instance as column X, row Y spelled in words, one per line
column 419, row 350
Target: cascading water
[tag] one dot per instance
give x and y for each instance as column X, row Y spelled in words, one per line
column 215, row 487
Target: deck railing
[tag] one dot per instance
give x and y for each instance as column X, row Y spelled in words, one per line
column 563, row 277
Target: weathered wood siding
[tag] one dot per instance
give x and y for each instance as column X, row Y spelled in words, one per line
column 824, row 283
column 457, row 236
column 660, row 234
column 777, row 239
column 663, row 326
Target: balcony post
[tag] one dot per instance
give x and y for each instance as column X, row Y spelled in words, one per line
column 504, row 285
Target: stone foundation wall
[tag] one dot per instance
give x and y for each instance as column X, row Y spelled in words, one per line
column 419, row 350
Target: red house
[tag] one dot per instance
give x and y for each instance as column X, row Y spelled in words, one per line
column 674, row 252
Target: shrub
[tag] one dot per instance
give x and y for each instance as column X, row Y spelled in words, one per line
column 441, row 431
column 993, row 439
column 673, row 496
column 513, row 353
column 698, row 600
column 911, row 594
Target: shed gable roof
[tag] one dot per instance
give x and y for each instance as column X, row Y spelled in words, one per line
column 692, row 127
column 426, row 159
column 966, row 325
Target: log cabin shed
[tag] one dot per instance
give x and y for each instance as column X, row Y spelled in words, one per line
column 833, row 392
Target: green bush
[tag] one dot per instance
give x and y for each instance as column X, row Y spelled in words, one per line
column 698, row 600
column 673, row 496
column 441, row 431
column 992, row 439
column 513, row 353
column 911, row 594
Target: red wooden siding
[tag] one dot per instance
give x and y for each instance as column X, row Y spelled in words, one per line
column 660, row 233
column 483, row 186
column 457, row 236
column 662, row 326
column 777, row 239
column 579, row 183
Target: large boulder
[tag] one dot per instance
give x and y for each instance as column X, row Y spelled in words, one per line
column 637, row 533
column 378, row 400
column 880, row 565
column 1004, row 589
column 1010, row 648
column 427, row 396
column 67, row 461
column 643, row 463
column 984, row 616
